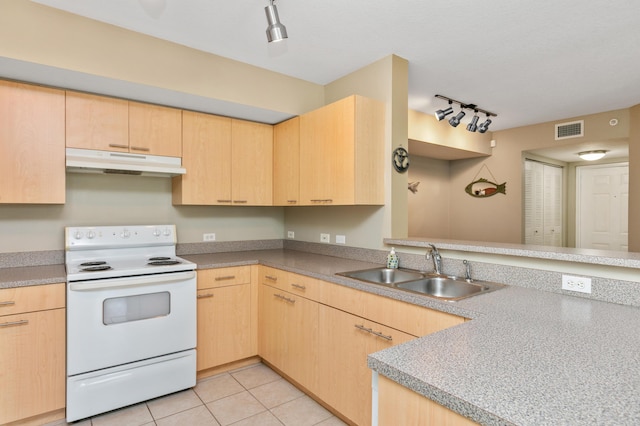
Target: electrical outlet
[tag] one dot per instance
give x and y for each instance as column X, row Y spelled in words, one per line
column 208, row 237
column 580, row 284
column 341, row 239
column 325, row 238
column 291, row 234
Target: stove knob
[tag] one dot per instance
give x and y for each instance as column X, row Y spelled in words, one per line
column 125, row 233
column 78, row 235
column 156, row 232
column 167, row 232
column 91, row 235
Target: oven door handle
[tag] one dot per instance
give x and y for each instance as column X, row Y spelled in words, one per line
column 132, row 281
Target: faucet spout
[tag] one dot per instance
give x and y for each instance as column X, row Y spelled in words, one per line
column 434, row 254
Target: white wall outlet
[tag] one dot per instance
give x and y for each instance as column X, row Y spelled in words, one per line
column 208, row 237
column 341, row 239
column 291, row 234
column 581, row 284
column 325, row 238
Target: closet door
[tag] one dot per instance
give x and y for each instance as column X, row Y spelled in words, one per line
column 543, row 210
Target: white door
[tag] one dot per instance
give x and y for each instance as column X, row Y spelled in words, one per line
column 543, row 199
column 602, row 206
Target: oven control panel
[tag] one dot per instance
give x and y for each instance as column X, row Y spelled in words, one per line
column 96, row 237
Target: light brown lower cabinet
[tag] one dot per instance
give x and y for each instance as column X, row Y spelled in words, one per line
column 288, row 336
column 345, row 342
column 319, row 334
column 398, row 405
column 225, row 312
column 32, row 352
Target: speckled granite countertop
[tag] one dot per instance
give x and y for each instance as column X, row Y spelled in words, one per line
column 32, row 275
column 528, row 357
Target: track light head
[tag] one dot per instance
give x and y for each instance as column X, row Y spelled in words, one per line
column 482, row 128
column 473, row 126
column 456, row 120
column 442, row 113
column 275, row 31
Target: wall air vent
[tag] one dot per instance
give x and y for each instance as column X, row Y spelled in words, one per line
column 573, row 129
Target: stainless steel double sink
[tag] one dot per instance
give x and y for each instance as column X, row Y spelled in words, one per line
column 443, row 287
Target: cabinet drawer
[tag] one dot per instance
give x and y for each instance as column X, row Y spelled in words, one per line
column 222, row 277
column 288, row 281
column 411, row 319
column 33, row 298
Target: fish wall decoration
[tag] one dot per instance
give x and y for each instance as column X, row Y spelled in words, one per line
column 482, row 188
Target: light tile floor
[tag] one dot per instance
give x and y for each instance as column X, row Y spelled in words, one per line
column 254, row 395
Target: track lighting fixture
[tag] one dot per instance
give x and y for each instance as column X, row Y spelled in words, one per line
column 455, row 121
column 442, row 113
column 473, row 126
column 484, row 126
column 275, row 31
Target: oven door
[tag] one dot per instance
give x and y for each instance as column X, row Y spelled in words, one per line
column 121, row 320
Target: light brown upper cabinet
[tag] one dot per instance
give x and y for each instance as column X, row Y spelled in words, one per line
column 341, row 153
column 228, row 162
column 286, row 163
column 32, row 154
column 111, row 124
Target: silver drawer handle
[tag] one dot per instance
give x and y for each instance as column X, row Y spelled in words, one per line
column 14, row 323
column 288, row 299
column 8, row 303
column 223, row 201
column 298, row 286
column 226, row 277
column 115, row 145
column 372, row 331
column 240, row 201
column 325, row 200
column 139, row 148
column 204, row 296
column 292, row 201
column 271, row 277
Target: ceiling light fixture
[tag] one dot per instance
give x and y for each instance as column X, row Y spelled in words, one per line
column 455, row 121
column 483, row 127
column 592, row 155
column 442, row 113
column 275, row 31
column 473, row 126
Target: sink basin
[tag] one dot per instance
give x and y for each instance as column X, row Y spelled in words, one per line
column 437, row 286
column 384, row 275
column 446, row 288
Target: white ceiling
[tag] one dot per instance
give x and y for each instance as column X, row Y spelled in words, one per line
column 529, row 62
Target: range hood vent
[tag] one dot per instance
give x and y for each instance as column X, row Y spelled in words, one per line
column 573, row 129
column 92, row 161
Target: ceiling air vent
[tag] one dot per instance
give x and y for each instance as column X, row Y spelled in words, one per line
column 573, row 129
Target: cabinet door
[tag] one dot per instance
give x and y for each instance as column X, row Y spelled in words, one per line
column 32, row 154
column 288, row 336
column 32, row 362
column 155, row 130
column 252, row 163
column 97, row 122
column 286, row 162
column 206, row 154
column 345, row 340
column 224, row 325
column 327, row 154
column 400, row 406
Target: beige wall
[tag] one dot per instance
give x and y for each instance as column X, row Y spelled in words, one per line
column 429, row 206
column 499, row 218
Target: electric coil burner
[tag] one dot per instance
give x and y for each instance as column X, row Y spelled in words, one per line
column 131, row 317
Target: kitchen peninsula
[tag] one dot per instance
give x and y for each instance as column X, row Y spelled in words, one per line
column 525, row 357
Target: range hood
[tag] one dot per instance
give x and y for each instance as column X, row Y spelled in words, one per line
column 93, row 161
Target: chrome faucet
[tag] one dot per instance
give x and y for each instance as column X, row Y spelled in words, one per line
column 434, row 255
column 467, row 274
